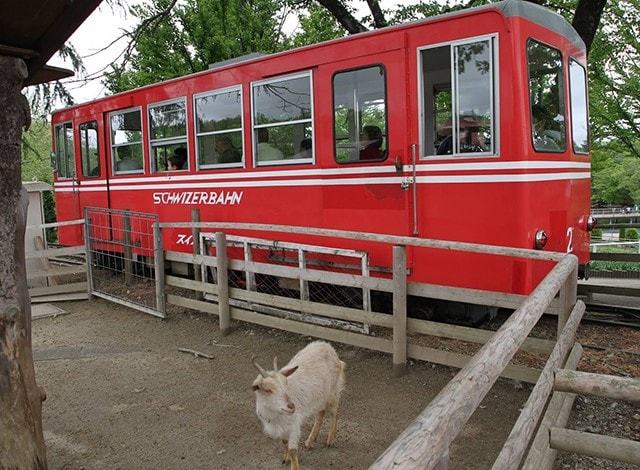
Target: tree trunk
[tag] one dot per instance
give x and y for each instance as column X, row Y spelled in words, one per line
column 343, row 16
column 587, row 19
column 21, row 441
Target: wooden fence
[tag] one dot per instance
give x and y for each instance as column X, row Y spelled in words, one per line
column 62, row 270
column 238, row 304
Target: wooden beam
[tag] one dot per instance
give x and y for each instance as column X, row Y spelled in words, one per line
column 425, row 440
column 607, row 386
column 61, row 271
column 595, row 445
column 60, row 297
column 51, row 252
column 399, row 310
column 584, row 288
column 516, row 444
column 158, row 264
column 540, row 455
column 223, row 282
column 60, row 289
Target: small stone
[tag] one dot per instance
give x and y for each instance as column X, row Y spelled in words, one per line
column 613, row 405
column 636, row 417
column 176, row 408
column 221, row 451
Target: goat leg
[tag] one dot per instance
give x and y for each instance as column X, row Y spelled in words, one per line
column 317, row 424
column 295, row 465
column 331, row 438
column 285, row 457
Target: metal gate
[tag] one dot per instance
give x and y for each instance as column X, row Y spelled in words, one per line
column 125, row 259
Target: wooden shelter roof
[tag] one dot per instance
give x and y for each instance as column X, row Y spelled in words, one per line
column 35, row 29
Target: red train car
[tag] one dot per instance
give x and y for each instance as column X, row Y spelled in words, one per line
column 487, row 107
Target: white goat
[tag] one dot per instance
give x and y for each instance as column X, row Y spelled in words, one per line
column 310, row 384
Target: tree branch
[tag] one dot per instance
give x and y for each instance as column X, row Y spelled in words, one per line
column 379, row 21
column 587, row 18
column 342, row 15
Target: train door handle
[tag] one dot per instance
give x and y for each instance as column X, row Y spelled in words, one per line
column 406, row 182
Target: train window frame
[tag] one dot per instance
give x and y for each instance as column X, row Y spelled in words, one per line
column 293, row 161
column 153, row 166
column 82, row 149
column 114, row 170
column 563, row 95
column 573, row 61
column 386, row 114
column 494, row 98
column 213, row 166
column 67, row 157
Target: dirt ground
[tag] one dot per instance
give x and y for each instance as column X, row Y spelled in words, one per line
column 121, row 396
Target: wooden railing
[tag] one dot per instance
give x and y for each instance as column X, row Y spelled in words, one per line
column 425, row 443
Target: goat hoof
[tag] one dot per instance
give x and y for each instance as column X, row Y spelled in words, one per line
column 308, row 445
column 330, row 442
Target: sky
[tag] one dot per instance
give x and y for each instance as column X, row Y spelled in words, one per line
column 105, row 25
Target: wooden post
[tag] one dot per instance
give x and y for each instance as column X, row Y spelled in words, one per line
column 223, row 282
column 21, row 439
column 595, row 445
column 399, row 310
column 195, row 236
column 568, row 297
column 88, row 254
column 158, row 258
column 128, row 249
column 607, row 386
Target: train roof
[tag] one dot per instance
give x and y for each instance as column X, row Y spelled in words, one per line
column 509, row 8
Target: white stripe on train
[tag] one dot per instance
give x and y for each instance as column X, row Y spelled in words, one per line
column 444, row 179
column 517, row 165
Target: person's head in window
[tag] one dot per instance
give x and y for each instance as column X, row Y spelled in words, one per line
column 180, row 155
column 371, row 140
column 227, row 153
column 173, row 163
column 546, row 137
column 305, row 149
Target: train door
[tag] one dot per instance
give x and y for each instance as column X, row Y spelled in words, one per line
column 368, row 142
column 93, row 171
column 66, row 180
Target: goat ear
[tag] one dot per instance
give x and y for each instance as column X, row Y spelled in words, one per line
column 288, row 372
column 255, row 388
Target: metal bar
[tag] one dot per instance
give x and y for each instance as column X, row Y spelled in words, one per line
column 158, row 258
column 128, row 249
column 195, row 237
column 89, row 257
column 414, row 190
column 126, row 303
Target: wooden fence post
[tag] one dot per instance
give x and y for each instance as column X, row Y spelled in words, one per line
column 128, row 249
column 158, row 255
column 195, row 236
column 223, row 282
column 399, row 310
column 568, row 297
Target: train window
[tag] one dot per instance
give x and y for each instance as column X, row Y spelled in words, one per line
column 219, row 128
column 168, row 136
column 65, row 154
column 282, row 120
column 458, row 99
column 126, row 141
column 546, row 96
column 579, row 108
column 360, row 115
column 89, row 149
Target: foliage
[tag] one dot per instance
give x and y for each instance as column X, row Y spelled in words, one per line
column 36, row 165
column 596, row 234
column 631, row 234
column 196, row 33
column 316, row 25
column 616, row 179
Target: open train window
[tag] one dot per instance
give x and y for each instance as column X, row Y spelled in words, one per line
column 218, row 118
column 546, row 98
column 126, row 141
column 360, row 115
column 65, row 154
column 89, row 149
column 579, row 108
column 458, row 113
column 168, row 136
column 283, row 120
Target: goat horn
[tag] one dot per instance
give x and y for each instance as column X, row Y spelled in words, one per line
column 257, row 366
column 275, row 363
